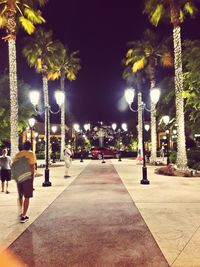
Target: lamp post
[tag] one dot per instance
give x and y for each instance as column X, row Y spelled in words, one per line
column 34, row 97
column 166, row 120
column 76, row 127
column 54, row 129
column 147, row 127
column 31, row 122
column 124, row 128
column 129, row 96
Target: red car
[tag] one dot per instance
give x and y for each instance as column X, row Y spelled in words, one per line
column 98, row 153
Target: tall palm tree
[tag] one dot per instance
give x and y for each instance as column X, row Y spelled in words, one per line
column 25, row 14
column 175, row 10
column 68, row 67
column 146, row 54
column 41, row 52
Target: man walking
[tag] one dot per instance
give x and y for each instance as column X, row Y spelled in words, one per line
column 5, row 164
column 25, row 188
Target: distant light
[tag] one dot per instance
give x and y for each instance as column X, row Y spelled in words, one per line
column 87, row 126
column 124, row 126
column 166, row 119
column 147, row 127
column 54, row 129
column 76, row 127
column 31, row 122
column 114, row 126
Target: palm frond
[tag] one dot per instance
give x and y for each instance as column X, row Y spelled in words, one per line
column 27, row 25
column 34, row 16
column 167, row 60
column 53, row 75
column 3, row 21
column 190, row 9
column 138, row 65
column 156, row 14
column 4, row 9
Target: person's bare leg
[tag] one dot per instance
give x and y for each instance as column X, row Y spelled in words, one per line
column 7, row 186
column 25, row 206
column 66, row 171
column 2, row 186
column 20, row 201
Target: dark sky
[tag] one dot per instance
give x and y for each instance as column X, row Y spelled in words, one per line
column 100, row 29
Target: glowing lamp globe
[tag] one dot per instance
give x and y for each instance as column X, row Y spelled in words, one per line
column 124, row 126
column 155, row 95
column 31, row 122
column 76, row 127
column 129, row 95
column 114, row 126
column 60, row 97
column 34, row 97
column 166, row 119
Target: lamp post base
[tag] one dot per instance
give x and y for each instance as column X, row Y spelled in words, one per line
column 46, row 184
column 46, row 179
column 144, row 176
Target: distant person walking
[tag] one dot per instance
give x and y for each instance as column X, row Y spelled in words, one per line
column 68, row 160
column 162, row 152
column 5, row 164
column 25, row 188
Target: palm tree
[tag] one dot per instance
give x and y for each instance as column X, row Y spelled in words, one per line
column 42, row 53
column 146, row 54
column 175, row 10
column 24, row 14
column 68, row 67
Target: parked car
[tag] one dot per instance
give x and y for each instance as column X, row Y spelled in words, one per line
column 98, row 153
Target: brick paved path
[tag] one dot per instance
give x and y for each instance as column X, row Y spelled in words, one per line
column 93, row 223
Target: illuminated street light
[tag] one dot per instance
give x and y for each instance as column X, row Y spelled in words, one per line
column 129, row 96
column 114, row 126
column 31, row 122
column 124, row 126
column 34, row 97
column 54, row 129
column 76, row 127
column 147, row 127
column 166, row 120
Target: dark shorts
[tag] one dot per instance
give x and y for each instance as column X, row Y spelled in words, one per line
column 25, row 188
column 5, row 175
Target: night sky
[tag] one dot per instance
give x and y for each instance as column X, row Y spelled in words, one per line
column 100, row 29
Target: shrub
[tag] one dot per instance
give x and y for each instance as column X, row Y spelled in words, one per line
column 172, row 156
column 167, row 170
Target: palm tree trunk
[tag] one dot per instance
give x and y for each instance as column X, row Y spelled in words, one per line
column 14, row 137
column 46, row 104
column 62, row 146
column 140, row 128
column 181, row 143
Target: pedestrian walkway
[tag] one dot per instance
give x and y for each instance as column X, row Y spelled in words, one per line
column 93, row 223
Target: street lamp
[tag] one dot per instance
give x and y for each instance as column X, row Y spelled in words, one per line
column 31, row 122
column 76, row 127
column 129, row 96
column 54, row 129
column 166, row 120
column 34, row 97
column 124, row 128
column 86, row 126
